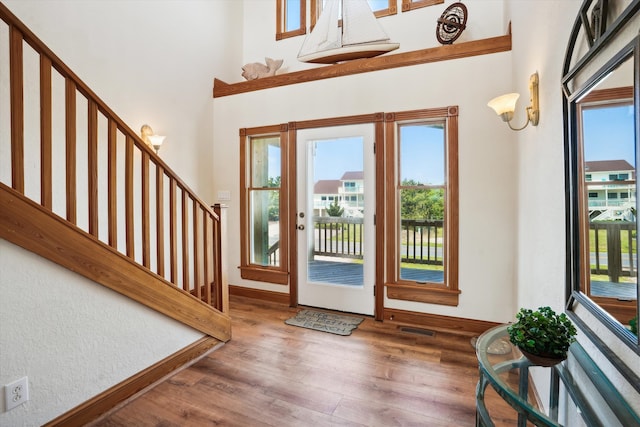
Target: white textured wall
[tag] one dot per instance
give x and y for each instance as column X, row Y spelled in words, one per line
column 72, row 337
column 486, row 148
column 540, row 155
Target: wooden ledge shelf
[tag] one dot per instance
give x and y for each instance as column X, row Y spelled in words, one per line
column 416, row 57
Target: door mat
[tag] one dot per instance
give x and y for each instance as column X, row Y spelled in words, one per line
column 325, row 322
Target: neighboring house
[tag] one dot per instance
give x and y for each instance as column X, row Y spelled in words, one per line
column 325, row 193
column 611, row 190
column 348, row 192
column 352, row 193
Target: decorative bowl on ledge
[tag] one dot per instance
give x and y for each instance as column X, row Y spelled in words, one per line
column 539, row 360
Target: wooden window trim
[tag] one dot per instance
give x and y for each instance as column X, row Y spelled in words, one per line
column 408, row 5
column 281, row 22
column 278, row 275
column 447, row 293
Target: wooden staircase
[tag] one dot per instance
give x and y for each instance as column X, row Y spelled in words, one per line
column 108, row 208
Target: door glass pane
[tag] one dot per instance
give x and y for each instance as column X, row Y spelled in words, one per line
column 337, row 234
column 421, row 195
column 265, row 227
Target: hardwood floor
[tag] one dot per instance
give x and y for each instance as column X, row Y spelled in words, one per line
column 273, row 374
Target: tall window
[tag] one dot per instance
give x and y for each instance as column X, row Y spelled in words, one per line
column 263, row 205
column 290, row 18
column 423, row 197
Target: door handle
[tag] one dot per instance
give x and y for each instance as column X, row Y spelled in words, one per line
column 301, row 227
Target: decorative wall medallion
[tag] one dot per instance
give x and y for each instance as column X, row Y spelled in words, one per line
column 451, row 23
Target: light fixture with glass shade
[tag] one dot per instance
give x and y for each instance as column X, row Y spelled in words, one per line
column 505, row 105
column 156, row 141
column 151, row 139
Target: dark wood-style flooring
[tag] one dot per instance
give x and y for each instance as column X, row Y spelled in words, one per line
column 273, row 374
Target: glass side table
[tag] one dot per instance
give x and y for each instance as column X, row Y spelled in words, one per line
column 501, row 365
column 504, row 368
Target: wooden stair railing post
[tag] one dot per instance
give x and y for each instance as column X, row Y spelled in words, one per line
column 128, row 197
column 46, row 187
column 184, row 218
column 112, row 185
column 70, row 149
column 146, row 232
column 160, row 219
column 197, row 261
column 93, row 167
column 208, row 258
column 16, row 73
column 220, row 249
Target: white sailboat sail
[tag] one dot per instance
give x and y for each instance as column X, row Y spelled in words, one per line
column 360, row 36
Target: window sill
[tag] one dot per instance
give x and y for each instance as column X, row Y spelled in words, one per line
column 264, row 275
column 423, row 293
column 288, row 34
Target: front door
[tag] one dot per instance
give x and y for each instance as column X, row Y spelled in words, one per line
column 335, row 218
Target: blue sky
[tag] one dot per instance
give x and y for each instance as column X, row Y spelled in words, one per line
column 335, row 157
column 422, row 153
column 609, row 134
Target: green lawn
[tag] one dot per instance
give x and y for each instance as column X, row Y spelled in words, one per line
column 602, row 241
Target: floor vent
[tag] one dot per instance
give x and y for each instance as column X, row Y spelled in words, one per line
column 418, row 331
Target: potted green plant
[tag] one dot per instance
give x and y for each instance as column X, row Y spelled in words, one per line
column 543, row 336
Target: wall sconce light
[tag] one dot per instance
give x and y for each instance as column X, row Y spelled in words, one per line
column 505, row 105
column 152, row 140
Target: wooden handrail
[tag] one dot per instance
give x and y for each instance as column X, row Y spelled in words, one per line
column 119, row 168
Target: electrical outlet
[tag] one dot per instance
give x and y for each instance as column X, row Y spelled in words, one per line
column 16, row 393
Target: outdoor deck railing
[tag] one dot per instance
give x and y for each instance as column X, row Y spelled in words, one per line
column 615, row 259
column 422, row 241
column 338, row 237
column 343, row 238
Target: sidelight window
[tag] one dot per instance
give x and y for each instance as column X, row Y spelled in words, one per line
column 423, row 228
column 262, row 205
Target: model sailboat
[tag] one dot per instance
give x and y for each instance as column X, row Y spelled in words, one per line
column 359, row 36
